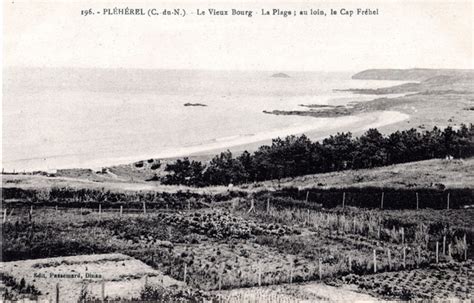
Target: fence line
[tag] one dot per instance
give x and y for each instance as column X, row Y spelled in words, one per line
column 383, row 199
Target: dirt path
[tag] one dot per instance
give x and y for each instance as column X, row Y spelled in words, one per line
column 337, row 294
column 297, row 293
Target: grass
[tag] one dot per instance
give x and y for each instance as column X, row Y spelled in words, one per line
column 422, row 174
column 227, row 248
column 448, row 174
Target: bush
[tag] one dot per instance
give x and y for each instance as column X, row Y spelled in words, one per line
column 155, row 166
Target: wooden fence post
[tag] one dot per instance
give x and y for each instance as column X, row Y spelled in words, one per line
column 417, row 201
column 403, row 235
column 56, row 207
column 404, row 257
column 320, row 269
column 444, row 245
column 57, row 292
column 343, row 199
column 448, row 202
column 252, row 205
column 259, row 275
column 100, row 209
column 268, row 205
column 307, row 195
column 381, row 201
column 465, row 247
column 121, row 210
column 102, row 292
column 449, row 251
column 350, row 263
column 4, row 215
column 437, row 257
column 220, row 280
column 389, row 259
column 144, row 208
column 291, row 272
column 185, row 272
column 417, row 259
column 375, row 261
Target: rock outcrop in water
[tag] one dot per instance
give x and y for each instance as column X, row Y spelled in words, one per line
column 195, row 104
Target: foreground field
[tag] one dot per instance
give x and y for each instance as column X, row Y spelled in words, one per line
column 91, row 276
column 232, row 245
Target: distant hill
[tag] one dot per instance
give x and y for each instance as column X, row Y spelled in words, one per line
column 280, row 75
column 414, row 74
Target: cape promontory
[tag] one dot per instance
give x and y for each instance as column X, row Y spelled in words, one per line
column 413, row 74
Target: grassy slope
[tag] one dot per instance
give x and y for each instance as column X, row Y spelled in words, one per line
column 423, row 174
column 452, row 174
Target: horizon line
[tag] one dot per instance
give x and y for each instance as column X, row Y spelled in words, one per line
column 229, row 70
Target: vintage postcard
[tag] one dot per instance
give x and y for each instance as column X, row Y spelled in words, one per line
column 237, row 151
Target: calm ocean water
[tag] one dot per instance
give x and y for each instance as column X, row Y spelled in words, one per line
column 63, row 118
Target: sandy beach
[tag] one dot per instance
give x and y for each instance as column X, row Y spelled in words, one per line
column 355, row 124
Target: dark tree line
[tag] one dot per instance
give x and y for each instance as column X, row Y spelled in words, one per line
column 296, row 156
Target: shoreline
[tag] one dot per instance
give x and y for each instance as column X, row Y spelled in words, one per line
column 321, row 128
column 376, row 119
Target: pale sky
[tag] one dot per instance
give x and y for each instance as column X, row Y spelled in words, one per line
column 405, row 34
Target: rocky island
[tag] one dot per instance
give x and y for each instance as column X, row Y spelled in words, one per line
column 280, row 75
column 195, row 104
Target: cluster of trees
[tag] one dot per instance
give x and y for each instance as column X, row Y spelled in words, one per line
column 297, row 155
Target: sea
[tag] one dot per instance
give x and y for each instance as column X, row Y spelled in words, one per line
column 56, row 118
